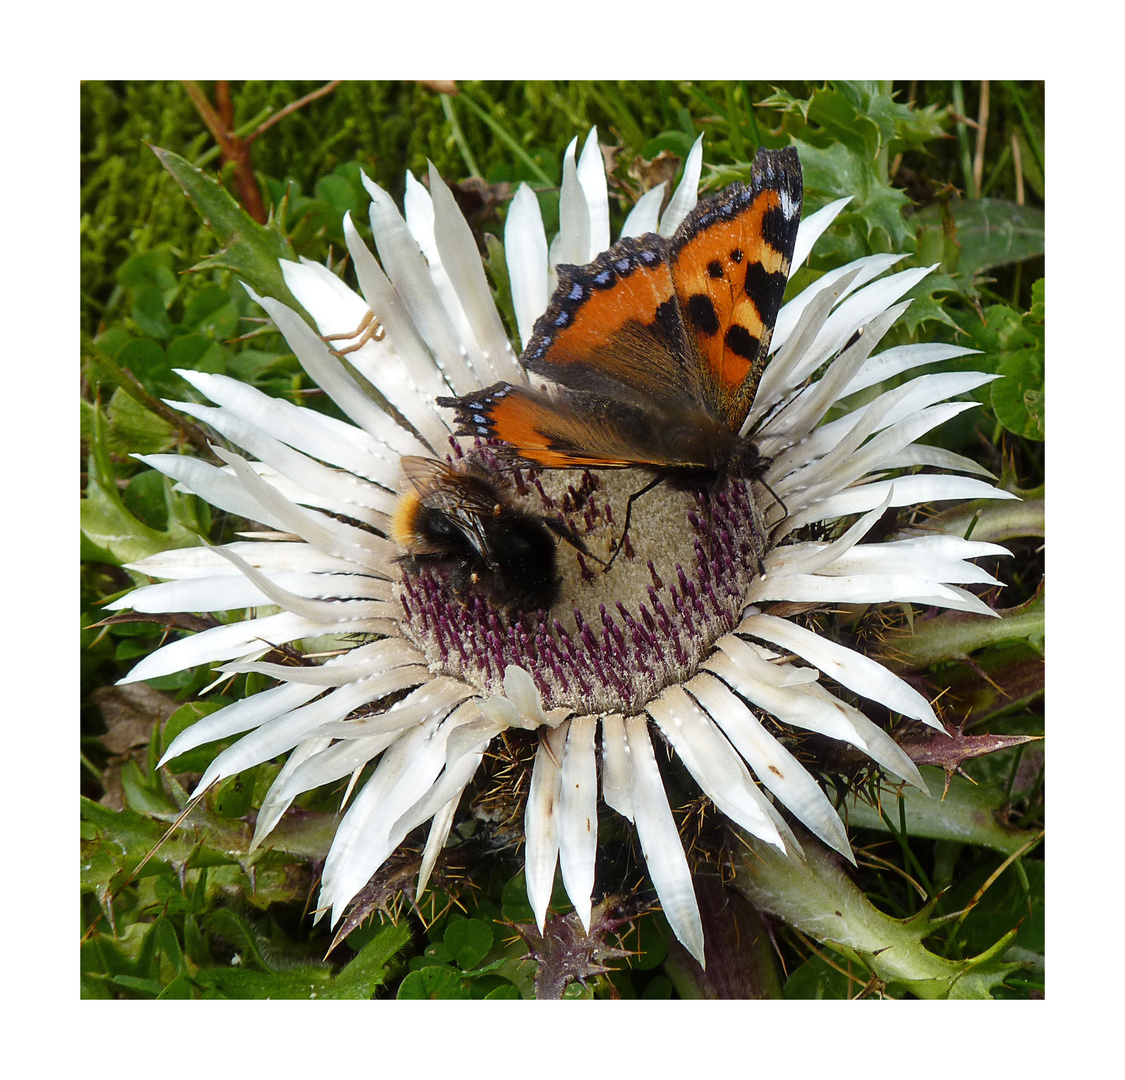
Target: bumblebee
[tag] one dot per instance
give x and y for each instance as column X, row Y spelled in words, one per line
column 459, row 523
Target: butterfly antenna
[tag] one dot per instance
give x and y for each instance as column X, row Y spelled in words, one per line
column 629, row 513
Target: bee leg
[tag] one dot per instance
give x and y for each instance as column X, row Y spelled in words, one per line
column 564, row 532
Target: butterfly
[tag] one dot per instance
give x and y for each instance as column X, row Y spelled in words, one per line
column 458, row 521
column 656, row 348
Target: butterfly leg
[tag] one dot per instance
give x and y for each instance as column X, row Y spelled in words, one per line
column 721, row 480
column 369, row 329
column 629, row 513
column 776, row 498
column 784, row 515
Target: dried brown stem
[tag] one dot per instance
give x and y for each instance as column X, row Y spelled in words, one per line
column 1018, row 162
column 220, row 122
column 133, row 387
column 233, row 149
column 982, row 131
column 327, row 88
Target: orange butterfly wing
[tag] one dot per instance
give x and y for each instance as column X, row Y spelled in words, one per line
column 579, row 429
column 730, row 260
column 657, row 346
column 614, row 327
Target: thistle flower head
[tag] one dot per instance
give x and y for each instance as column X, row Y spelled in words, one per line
column 686, row 640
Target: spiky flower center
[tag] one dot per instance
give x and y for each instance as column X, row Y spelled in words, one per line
column 613, row 638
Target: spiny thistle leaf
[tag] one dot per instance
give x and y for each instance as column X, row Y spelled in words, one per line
column 954, row 635
column 995, row 523
column 949, row 751
column 968, row 814
column 248, row 249
column 818, row 898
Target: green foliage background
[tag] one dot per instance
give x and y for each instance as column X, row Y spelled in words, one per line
column 199, row 918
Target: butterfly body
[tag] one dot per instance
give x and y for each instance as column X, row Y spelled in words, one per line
column 657, row 346
column 458, row 521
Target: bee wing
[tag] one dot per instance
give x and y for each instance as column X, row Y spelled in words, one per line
column 469, row 502
column 426, row 473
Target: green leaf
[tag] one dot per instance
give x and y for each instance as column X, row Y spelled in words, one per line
column 127, row 426
column 140, row 793
column 198, row 352
column 111, row 528
column 179, row 989
column 305, row 983
column 468, row 942
column 433, row 983
column 995, row 522
column 507, row 992
column 151, row 269
column 136, row 429
column 138, row 985
column 1014, row 347
column 1018, row 399
column 107, row 523
column 212, row 311
column 846, row 132
column 194, row 944
column 126, row 837
column 837, row 170
column 838, row 115
column 1017, row 888
column 925, row 305
column 863, row 115
column 435, row 953
column 818, row 980
column 164, row 935
column 192, row 760
column 514, row 903
column 372, row 965
column 658, row 989
column 497, row 266
column 990, row 232
column 343, row 192
column 150, row 314
column 785, row 101
column 233, row 796
column 955, row 635
column 233, row 928
column 112, row 341
column 144, row 358
column 674, row 142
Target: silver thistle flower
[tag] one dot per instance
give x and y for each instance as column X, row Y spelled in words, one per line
column 672, row 645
